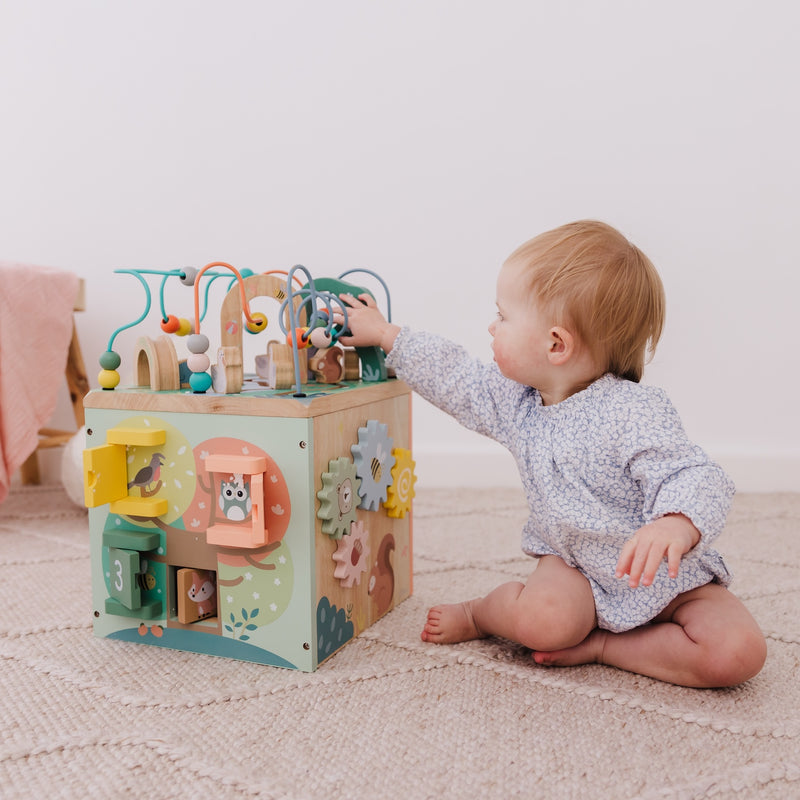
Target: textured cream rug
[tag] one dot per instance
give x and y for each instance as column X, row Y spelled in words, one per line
column 388, row 716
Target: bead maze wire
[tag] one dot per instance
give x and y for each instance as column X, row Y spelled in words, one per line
column 320, row 306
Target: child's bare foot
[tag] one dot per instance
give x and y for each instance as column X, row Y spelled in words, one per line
column 448, row 624
column 589, row 651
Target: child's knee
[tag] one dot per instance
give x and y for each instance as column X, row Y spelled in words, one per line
column 556, row 608
column 749, row 654
column 740, row 657
column 552, row 625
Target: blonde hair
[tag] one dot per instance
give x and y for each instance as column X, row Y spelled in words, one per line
column 595, row 282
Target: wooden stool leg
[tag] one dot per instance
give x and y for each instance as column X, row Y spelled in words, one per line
column 76, row 378
column 29, row 471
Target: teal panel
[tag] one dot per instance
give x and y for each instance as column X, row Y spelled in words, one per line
column 124, row 586
column 195, row 642
column 132, row 540
column 147, row 610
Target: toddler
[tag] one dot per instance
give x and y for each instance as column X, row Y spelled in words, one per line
column 624, row 509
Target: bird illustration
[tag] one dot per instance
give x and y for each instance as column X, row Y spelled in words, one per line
column 149, row 474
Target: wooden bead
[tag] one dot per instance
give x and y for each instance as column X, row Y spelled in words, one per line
column 301, row 334
column 188, row 276
column 258, row 324
column 320, row 338
column 170, row 324
column 198, row 362
column 200, row 382
column 197, row 343
column 108, row 378
column 185, row 327
column 109, row 360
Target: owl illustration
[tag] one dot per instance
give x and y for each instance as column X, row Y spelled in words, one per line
column 234, row 498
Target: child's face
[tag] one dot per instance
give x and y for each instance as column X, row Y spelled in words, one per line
column 521, row 333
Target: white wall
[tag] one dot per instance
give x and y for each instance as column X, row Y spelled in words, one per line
column 426, row 140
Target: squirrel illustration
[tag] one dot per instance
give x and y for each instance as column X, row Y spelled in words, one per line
column 328, row 364
column 381, row 577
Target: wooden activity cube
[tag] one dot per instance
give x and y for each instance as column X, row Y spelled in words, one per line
column 258, row 526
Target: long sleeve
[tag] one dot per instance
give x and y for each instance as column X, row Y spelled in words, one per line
column 674, row 475
column 473, row 393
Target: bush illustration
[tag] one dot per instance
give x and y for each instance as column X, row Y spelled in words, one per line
column 334, row 629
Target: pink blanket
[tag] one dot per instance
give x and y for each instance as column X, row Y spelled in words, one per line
column 36, row 306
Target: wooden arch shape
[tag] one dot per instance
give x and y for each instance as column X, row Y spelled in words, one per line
column 232, row 322
column 157, row 364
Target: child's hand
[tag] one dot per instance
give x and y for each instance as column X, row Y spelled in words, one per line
column 365, row 324
column 671, row 536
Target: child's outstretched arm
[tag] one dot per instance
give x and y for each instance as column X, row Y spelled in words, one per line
column 670, row 537
column 366, row 325
column 443, row 372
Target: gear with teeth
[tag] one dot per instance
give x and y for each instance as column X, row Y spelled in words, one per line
column 352, row 556
column 338, row 497
column 401, row 492
column 374, row 461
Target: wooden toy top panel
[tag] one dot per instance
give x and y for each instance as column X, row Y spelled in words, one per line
column 320, row 399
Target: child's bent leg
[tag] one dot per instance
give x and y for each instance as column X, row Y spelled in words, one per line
column 705, row 638
column 555, row 608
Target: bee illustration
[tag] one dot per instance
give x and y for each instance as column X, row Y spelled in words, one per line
column 376, row 465
column 145, row 579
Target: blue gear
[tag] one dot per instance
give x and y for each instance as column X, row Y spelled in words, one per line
column 374, row 461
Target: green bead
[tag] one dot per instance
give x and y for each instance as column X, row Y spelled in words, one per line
column 110, row 360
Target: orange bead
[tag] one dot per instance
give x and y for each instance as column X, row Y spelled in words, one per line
column 170, row 324
column 301, row 334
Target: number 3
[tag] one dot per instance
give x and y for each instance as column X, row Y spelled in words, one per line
column 118, row 583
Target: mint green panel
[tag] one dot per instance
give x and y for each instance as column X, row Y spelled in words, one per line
column 265, row 596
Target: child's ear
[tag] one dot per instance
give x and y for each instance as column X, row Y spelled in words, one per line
column 562, row 346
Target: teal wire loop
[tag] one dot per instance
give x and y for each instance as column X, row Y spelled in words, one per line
column 148, row 302
column 161, row 297
column 319, row 317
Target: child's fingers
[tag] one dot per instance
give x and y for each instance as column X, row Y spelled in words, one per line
column 355, row 302
column 640, row 565
column 654, row 558
column 625, row 558
column 640, row 560
column 635, row 560
column 674, row 557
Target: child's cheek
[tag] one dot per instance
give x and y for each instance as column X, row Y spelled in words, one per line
column 499, row 353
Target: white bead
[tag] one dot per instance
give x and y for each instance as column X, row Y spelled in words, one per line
column 198, row 362
column 188, row 275
column 319, row 338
